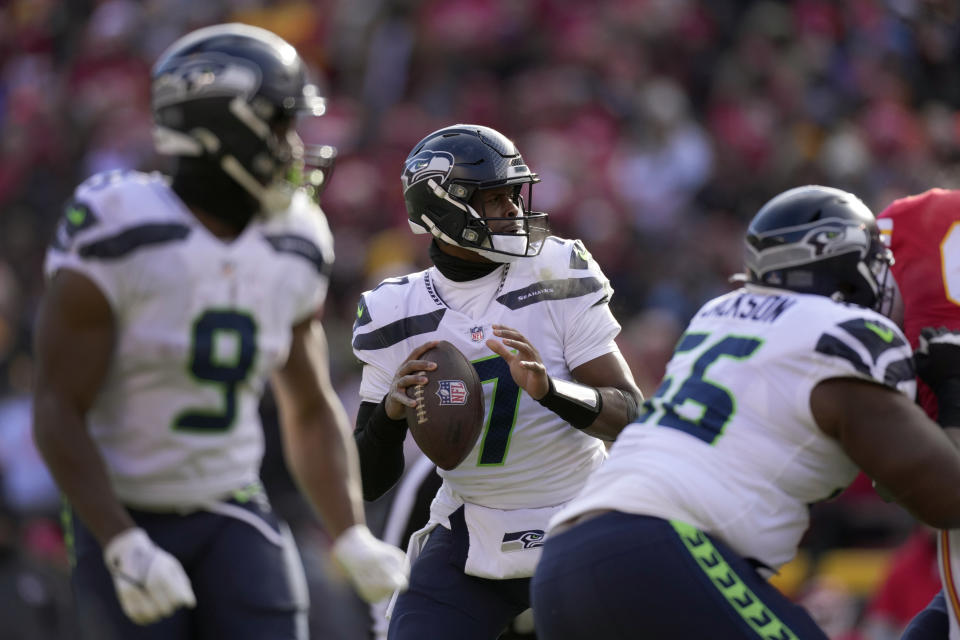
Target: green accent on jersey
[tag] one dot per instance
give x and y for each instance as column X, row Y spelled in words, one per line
column 248, row 493
column 66, row 524
column 360, row 310
column 76, row 215
column 581, row 251
column 884, row 333
column 753, row 611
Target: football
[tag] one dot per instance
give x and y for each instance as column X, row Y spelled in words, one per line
column 448, row 417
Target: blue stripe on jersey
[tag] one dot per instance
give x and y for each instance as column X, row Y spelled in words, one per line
column 125, row 242
column 392, row 281
column 899, row 371
column 300, row 246
column 833, row 346
column 550, row 290
column 875, row 336
column 391, row 334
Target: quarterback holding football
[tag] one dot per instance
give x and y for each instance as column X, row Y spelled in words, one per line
column 530, row 312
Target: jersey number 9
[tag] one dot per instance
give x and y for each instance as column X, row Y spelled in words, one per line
column 222, row 353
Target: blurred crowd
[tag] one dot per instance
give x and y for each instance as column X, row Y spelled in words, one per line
column 658, row 127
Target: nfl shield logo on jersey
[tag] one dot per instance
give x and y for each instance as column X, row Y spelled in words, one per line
column 452, row 392
column 476, row 334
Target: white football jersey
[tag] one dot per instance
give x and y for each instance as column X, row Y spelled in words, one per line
column 728, row 443
column 200, row 323
column 526, row 456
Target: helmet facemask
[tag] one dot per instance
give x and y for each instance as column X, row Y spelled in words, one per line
column 497, row 237
column 879, row 264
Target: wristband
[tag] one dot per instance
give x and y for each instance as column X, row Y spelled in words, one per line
column 576, row 403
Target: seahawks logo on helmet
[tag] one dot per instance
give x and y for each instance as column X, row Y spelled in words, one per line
column 210, row 75
column 808, row 243
column 427, row 164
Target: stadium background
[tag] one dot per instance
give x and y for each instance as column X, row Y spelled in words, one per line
column 657, row 126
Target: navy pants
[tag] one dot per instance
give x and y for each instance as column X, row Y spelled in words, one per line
column 249, row 582
column 444, row 603
column 930, row 624
column 621, row 576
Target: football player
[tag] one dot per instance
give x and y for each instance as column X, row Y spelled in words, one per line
column 923, row 231
column 170, row 304
column 776, row 394
column 531, row 312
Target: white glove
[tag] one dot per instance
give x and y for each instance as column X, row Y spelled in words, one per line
column 376, row 568
column 150, row 583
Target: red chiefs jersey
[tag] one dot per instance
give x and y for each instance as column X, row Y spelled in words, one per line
column 923, row 231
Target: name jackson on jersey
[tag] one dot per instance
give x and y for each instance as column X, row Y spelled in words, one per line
column 748, row 306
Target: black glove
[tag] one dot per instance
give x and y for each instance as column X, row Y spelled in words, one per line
column 938, row 364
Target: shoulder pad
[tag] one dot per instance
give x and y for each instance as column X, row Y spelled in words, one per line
column 120, row 208
column 871, row 343
column 393, row 311
column 302, row 230
column 388, row 295
column 563, row 271
column 568, row 255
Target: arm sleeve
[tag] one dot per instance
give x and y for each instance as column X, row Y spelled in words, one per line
column 380, row 445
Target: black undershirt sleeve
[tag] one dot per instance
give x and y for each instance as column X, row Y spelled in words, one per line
column 380, row 445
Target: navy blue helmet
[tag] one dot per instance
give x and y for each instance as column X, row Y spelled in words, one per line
column 444, row 171
column 229, row 95
column 819, row 240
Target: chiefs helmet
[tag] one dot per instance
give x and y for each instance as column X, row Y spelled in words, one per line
column 230, row 94
column 819, row 240
column 445, row 170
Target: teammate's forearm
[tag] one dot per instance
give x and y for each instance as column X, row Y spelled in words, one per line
column 322, row 459
column 77, row 468
column 619, row 409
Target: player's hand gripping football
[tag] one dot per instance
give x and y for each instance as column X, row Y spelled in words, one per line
column 150, row 583
column 526, row 365
column 376, row 568
column 409, row 374
column 938, row 364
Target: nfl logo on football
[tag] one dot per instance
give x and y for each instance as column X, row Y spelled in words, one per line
column 452, row 392
column 476, row 334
